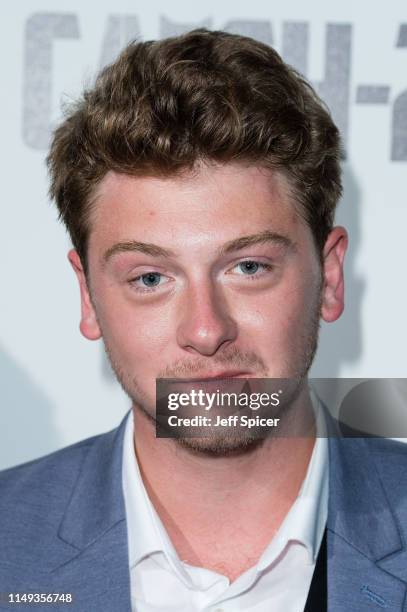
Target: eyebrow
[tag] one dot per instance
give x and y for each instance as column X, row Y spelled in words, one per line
column 261, row 238
column 135, row 246
column 237, row 244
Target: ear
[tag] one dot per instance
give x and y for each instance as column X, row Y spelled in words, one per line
column 89, row 325
column 333, row 288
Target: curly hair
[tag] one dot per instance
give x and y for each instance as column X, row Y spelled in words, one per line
column 162, row 106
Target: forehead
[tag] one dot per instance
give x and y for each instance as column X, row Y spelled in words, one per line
column 216, row 202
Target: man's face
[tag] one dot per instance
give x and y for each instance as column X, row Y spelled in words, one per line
column 209, row 273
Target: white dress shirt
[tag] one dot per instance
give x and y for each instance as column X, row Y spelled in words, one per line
column 280, row 581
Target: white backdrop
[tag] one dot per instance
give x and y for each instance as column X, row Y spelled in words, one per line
column 56, row 386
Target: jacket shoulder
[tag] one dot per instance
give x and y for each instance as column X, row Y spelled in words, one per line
column 36, row 493
column 390, row 459
column 43, row 467
column 388, row 448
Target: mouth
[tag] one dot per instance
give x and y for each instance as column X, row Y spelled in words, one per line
column 220, row 376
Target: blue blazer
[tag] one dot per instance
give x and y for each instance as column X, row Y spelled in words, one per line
column 63, row 527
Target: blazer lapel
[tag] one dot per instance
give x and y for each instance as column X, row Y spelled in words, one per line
column 367, row 561
column 92, row 536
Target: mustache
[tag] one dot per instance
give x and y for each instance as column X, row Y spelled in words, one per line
column 232, row 357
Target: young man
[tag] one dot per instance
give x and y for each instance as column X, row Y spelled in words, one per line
column 198, row 180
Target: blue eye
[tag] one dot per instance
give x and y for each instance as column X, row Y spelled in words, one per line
column 252, row 269
column 249, row 267
column 151, row 279
column 149, row 282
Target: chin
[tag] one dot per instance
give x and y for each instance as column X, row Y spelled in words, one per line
column 221, row 446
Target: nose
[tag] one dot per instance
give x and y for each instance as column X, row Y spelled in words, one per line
column 205, row 323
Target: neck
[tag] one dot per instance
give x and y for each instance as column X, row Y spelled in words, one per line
column 209, row 503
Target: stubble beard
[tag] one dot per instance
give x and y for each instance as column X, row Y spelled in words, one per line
column 230, row 441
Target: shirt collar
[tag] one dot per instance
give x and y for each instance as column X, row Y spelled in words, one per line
column 304, row 523
column 146, row 533
column 306, row 520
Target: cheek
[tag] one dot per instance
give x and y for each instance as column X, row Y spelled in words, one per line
column 280, row 317
column 132, row 331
